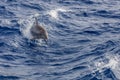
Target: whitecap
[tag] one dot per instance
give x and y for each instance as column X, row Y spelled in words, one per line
column 110, row 62
column 54, row 13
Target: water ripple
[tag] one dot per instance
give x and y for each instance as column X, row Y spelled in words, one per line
column 83, row 40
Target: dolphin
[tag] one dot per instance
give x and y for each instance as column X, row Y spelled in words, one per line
column 38, row 32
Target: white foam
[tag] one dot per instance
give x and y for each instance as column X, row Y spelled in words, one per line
column 115, row 66
column 54, row 13
column 26, row 24
column 37, row 14
column 112, row 63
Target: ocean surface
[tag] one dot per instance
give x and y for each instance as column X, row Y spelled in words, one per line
column 83, row 44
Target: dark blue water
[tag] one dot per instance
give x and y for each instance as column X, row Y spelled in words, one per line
column 84, row 40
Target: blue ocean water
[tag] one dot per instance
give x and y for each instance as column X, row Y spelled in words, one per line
column 84, row 40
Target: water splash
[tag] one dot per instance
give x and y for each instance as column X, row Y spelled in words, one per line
column 54, row 13
column 114, row 65
column 110, row 61
column 26, row 24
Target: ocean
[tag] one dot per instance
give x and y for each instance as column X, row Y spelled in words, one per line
column 83, row 44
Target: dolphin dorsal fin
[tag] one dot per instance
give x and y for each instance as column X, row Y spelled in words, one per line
column 36, row 21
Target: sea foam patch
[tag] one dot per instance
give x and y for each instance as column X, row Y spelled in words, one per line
column 110, row 62
column 54, row 13
column 114, row 65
